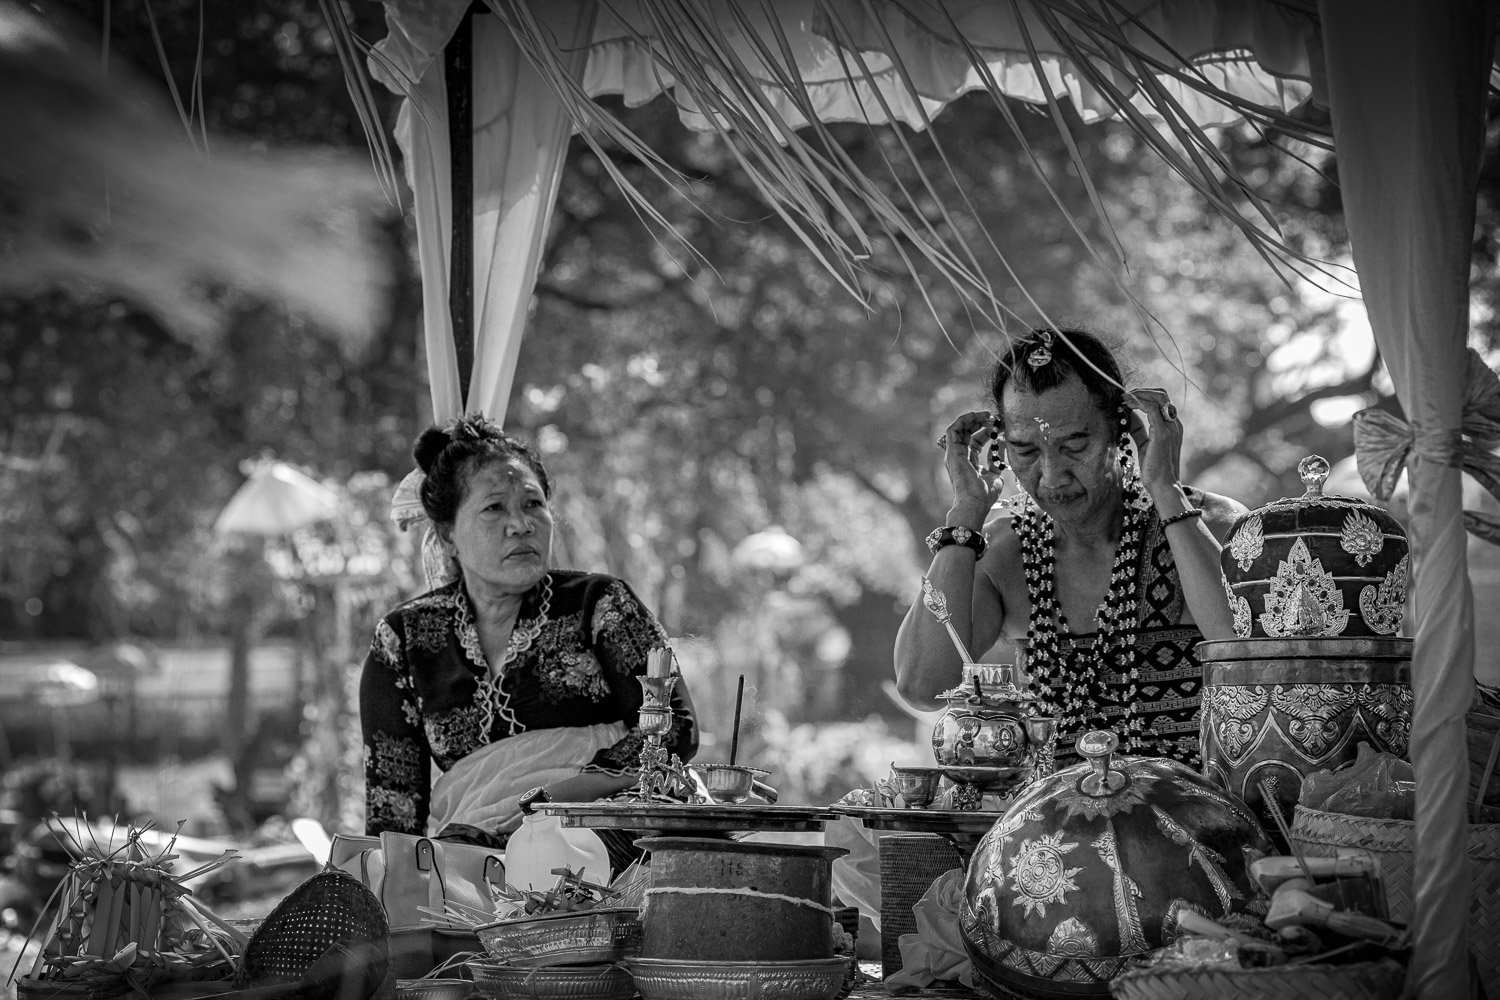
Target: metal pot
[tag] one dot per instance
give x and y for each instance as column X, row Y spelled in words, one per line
column 721, row 900
column 1279, row 709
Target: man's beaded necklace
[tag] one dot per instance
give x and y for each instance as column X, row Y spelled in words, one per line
column 1077, row 699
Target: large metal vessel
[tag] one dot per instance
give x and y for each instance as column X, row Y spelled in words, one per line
column 1279, row 709
column 1092, row 865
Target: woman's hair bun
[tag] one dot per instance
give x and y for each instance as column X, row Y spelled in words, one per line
column 429, row 446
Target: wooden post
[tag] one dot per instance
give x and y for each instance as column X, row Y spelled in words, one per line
column 458, row 74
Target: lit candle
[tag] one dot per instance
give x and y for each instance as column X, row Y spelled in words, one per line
column 659, row 662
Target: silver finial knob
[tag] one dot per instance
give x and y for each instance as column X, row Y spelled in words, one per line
column 1314, row 471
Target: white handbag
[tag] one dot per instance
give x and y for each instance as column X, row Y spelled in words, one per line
column 417, row 878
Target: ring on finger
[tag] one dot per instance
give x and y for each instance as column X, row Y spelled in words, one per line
column 1169, row 410
column 942, row 442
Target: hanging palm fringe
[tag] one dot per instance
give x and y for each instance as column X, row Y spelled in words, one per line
column 732, row 67
column 101, row 190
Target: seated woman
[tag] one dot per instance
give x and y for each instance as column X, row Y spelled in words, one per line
column 513, row 676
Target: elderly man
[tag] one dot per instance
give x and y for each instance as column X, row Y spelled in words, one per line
column 1108, row 568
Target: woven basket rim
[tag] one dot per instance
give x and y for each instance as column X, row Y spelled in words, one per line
column 1378, row 965
column 1484, row 838
column 532, row 918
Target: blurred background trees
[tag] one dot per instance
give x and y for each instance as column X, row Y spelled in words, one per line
column 726, row 429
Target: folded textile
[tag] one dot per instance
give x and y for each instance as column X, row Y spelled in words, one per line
column 936, row 951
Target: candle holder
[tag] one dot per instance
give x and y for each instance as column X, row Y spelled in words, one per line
column 662, row 772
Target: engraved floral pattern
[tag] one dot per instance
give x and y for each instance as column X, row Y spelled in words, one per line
column 1361, row 537
column 1383, row 605
column 1073, row 938
column 1318, row 713
column 1248, row 543
column 1040, row 875
column 1303, row 600
column 1240, row 608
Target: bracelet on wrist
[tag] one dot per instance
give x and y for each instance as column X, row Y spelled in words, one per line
column 950, row 535
column 1186, row 515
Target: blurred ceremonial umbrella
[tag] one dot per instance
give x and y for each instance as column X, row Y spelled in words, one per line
column 275, row 501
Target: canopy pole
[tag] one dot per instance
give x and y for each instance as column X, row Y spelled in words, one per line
column 458, row 73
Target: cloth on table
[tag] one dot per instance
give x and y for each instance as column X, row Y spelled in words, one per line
column 856, row 875
column 936, row 951
column 483, row 789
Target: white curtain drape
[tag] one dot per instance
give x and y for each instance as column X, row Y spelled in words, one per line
column 520, row 141
column 1406, row 85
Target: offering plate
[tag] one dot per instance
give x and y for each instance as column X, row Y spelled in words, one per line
column 959, row 824
column 668, row 979
column 677, row 817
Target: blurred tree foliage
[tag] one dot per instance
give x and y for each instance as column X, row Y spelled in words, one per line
column 682, row 402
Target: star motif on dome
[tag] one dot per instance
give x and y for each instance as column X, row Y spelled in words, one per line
column 1038, row 874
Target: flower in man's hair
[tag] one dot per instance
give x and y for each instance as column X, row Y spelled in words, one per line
column 1041, row 354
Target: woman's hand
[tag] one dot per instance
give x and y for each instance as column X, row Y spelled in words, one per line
column 974, row 467
column 1158, row 439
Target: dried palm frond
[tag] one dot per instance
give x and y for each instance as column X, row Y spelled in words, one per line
column 732, row 67
column 100, row 188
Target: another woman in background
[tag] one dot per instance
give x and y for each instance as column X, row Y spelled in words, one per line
column 515, row 675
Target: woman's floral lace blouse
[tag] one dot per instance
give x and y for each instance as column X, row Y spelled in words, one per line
column 425, row 696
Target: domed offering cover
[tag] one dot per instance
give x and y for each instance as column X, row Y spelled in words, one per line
column 1317, row 565
column 1091, row 866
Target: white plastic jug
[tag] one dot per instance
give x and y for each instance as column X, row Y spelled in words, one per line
column 543, row 844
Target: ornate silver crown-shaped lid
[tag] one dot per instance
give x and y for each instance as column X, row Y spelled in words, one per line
column 1318, row 565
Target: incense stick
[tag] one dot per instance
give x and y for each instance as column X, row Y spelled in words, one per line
column 937, row 603
column 1273, row 806
column 734, row 737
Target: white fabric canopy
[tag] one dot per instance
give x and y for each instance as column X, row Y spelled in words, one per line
column 1404, row 84
column 1407, row 87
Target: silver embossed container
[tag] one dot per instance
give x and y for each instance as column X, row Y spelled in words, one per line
column 1316, row 566
column 1280, row 709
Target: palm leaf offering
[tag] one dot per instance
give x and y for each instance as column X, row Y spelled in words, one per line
column 122, row 918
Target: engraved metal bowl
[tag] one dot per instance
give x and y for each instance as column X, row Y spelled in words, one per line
column 675, row 979
column 433, row 989
column 729, row 783
column 498, row 981
column 917, row 786
column 577, row 937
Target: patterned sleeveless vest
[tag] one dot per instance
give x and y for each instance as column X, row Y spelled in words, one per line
column 1162, row 719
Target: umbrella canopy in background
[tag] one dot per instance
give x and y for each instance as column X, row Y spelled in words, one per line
column 276, row 500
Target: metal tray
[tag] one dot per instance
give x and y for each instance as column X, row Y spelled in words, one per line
column 959, row 823
column 748, row 817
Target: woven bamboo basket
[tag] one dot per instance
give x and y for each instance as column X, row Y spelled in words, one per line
column 579, row 937
column 1484, row 763
column 1357, row 981
column 1392, row 841
column 909, row 864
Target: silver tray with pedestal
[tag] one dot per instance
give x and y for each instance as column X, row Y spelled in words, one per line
column 678, row 816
